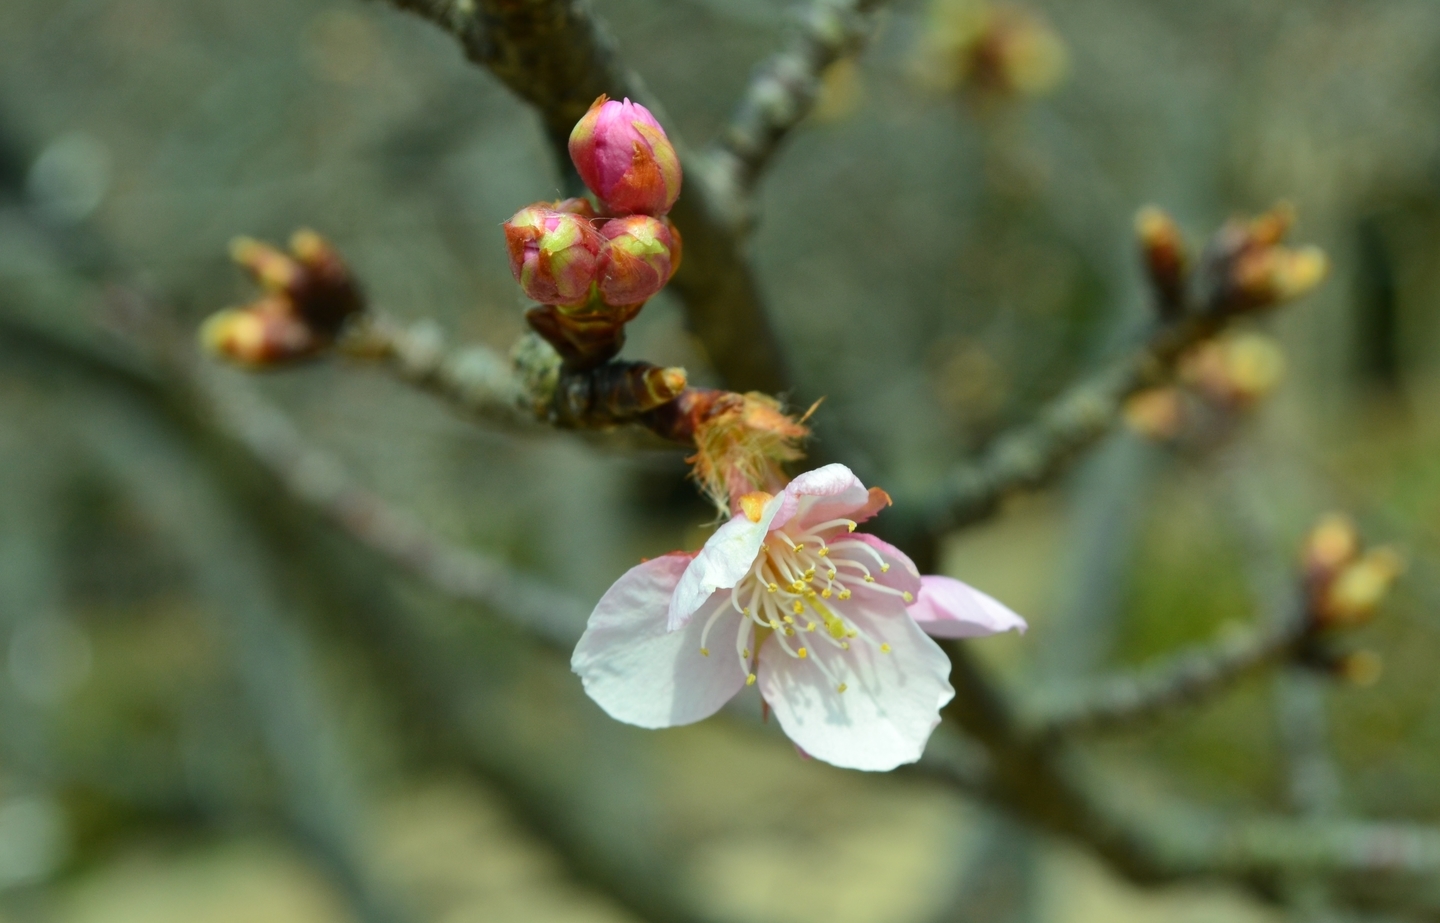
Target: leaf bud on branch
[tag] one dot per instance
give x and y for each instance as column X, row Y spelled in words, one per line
column 309, row 296
column 1246, row 268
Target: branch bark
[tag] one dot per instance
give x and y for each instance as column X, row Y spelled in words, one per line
column 1032, row 454
column 780, row 95
column 1186, row 677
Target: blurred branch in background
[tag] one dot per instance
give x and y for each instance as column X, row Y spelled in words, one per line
column 275, row 661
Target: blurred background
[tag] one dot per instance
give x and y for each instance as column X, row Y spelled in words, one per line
column 214, row 706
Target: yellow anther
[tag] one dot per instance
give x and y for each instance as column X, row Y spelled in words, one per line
column 789, row 632
column 800, row 547
column 809, row 573
column 745, row 653
column 746, row 610
column 832, row 573
column 704, row 652
column 750, row 680
column 802, row 653
column 852, row 633
column 869, row 579
column 851, row 527
column 884, row 648
column 809, row 594
column 844, row 594
column 841, row 688
column 797, row 607
column 884, row 568
column 907, row 597
column 772, row 587
column 790, row 619
column 796, row 587
column 810, row 626
column 824, row 551
column 844, row 645
column 826, row 593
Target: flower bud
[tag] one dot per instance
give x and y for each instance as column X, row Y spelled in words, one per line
column 1156, row 413
column 1246, row 267
column 1352, row 597
column 614, row 393
column 262, row 335
column 1235, row 370
column 1331, row 545
column 622, row 154
column 309, row 295
column 553, row 254
column 640, row 255
column 1166, row 259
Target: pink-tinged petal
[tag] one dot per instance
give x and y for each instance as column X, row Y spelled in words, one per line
column 876, row 502
column 903, row 575
column 642, row 674
column 823, row 494
column 891, row 703
column 947, row 608
column 724, row 560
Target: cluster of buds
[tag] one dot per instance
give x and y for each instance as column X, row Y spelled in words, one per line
column 1345, row 583
column 1218, row 381
column 592, row 269
column 994, row 51
column 308, row 296
column 1245, row 268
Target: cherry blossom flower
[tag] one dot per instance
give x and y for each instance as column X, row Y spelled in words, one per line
column 787, row 596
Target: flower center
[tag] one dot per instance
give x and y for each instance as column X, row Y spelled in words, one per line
column 797, row 590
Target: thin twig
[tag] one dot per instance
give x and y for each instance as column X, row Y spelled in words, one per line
column 781, row 94
column 321, row 482
column 473, row 378
column 1186, row 677
column 1030, row 455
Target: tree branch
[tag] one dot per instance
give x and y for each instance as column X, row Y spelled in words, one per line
column 1186, row 677
column 555, row 56
column 781, row 94
column 1030, row 455
column 321, row 482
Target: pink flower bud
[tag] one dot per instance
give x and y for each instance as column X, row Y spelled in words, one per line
column 626, row 160
column 553, row 254
column 640, row 255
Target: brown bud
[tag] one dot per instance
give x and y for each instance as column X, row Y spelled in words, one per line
column 1234, row 370
column 1007, row 51
column 262, row 335
column 1156, row 413
column 1331, row 545
column 584, row 338
column 309, row 296
column 1245, row 268
column 1167, row 260
column 614, row 393
column 1352, row 597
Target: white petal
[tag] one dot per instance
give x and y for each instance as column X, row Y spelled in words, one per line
column 725, row 559
column 829, row 492
column 642, row 674
column 947, row 608
column 891, row 703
